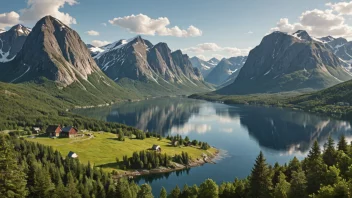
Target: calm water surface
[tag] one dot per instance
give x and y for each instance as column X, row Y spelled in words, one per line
column 239, row 131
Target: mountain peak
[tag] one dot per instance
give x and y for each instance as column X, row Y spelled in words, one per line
column 302, row 35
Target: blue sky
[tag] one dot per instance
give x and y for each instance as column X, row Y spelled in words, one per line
column 228, row 27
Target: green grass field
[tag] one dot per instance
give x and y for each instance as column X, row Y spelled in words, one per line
column 103, row 149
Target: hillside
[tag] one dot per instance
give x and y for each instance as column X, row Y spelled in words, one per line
column 287, row 62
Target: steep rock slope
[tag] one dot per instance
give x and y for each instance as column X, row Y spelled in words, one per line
column 285, row 62
column 55, row 56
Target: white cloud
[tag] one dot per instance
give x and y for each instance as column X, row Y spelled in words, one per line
column 98, row 43
column 250, row 32
column 104, row 24
column 200, row 49
column 321, row 22
column 92, row 33
column 36, row 9
column 143, row 24
column 341, row 7
column 9, row 19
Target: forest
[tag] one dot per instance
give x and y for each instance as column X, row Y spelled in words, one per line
column 33, row 170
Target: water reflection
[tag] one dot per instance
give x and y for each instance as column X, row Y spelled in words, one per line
column 272, row 128
column 242, row 131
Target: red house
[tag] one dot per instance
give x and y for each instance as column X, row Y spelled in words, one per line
column 69, row 132
column 54, row 130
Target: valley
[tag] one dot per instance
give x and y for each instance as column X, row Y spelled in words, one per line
column 143, row 109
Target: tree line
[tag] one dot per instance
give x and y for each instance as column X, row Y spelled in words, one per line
column 32, row 170
column 323, row 173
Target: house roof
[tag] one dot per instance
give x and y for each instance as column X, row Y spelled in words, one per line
column 155, row 146
column 71, row 153
column 52, row 127
column 68, row 128
column 36, row 128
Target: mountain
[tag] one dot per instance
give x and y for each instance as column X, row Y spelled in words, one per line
column 204, row 66
column 226, row 70
column 341, row 47
column 152, row 70
column 55, row 56
column 287, row 62
column 11, row 41
column 94, row 50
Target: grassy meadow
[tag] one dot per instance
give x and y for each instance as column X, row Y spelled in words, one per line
column 104, row 147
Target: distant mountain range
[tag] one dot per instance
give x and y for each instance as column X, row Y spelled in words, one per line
column 204, row 66
column 281, row 62
column 287, row 62
column 226, row 71
column 149, row 69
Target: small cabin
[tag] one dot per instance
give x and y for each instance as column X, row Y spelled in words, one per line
column 69, row 132
column 36, row 130
column 175, row 143
column 54, row 130
column 156, row 147
column 72, row 154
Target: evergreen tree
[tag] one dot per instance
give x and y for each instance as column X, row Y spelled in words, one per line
column 227, row 190
column 71, row 187
column 123, row 188
column 12, row 178
column 260, row 181
column 329, row 154
column 298, row 185
column 209, row 189
column 176, row 192
column 163, row 193
column 145, row 191
column 342, row 144
column 282, row 187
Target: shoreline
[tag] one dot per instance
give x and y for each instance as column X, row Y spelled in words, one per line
column 208, row 159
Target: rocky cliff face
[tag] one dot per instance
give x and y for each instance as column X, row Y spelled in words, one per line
column 11, row 42
column 286, row 62
column 54, row 51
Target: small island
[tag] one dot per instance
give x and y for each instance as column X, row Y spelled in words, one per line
column 116, row 152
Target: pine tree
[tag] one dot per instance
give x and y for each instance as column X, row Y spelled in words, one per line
column 298, row 185
column 71, row 187
column 209, row 189
column 342, row 144
column 314, row 152
column 282, row 187
column 12, row 178
column 145, row 191
column 163, row 193
column 260, row 181
column 176, row 192
column 329, row 154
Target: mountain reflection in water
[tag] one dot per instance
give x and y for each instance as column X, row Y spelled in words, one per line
column 273, row 128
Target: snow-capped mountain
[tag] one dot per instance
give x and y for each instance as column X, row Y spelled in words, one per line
column 204, row 66
column 340, row 46
column 226, row 70
column 286, row 62
column 11, row 42
column 139, row 60
column 94, row 50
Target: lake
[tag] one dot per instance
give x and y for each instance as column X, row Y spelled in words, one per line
column 241, row 132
